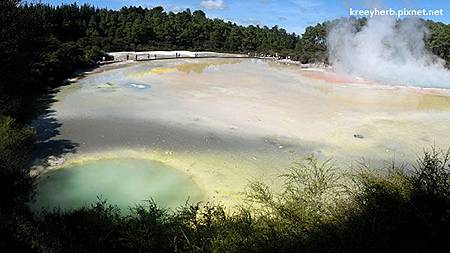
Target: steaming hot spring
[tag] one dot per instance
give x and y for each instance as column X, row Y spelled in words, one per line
column 200, row 129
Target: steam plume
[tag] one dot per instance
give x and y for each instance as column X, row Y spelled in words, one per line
column 387, row 51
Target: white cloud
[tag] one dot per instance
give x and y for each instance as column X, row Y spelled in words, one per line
column 175, row 8
column 213, row 4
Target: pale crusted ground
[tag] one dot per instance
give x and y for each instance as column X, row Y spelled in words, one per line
column 227, row 121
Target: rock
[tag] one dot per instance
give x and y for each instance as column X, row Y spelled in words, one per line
column 55, row 161
column 358, row 136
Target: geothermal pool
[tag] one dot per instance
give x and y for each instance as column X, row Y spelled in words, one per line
column 220, row 123
column 122, row 182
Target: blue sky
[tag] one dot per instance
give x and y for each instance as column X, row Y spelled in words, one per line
column 293, row 15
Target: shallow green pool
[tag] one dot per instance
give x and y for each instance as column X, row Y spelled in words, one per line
column 123, row 182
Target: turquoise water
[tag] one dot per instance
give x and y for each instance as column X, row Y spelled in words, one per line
column 122, row 182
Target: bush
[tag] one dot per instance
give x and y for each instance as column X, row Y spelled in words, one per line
column 319, row 209
column 15, row 153
column 402, row 211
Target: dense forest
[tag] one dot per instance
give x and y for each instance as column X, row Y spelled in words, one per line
column 40, row 46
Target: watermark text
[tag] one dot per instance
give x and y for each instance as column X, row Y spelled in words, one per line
column 398, row 13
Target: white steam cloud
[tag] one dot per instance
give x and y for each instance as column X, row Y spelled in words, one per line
column 388, row 51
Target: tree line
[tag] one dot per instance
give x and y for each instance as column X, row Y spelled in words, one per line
column 42, row 44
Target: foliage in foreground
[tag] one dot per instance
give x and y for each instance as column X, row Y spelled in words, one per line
column 318, row 210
